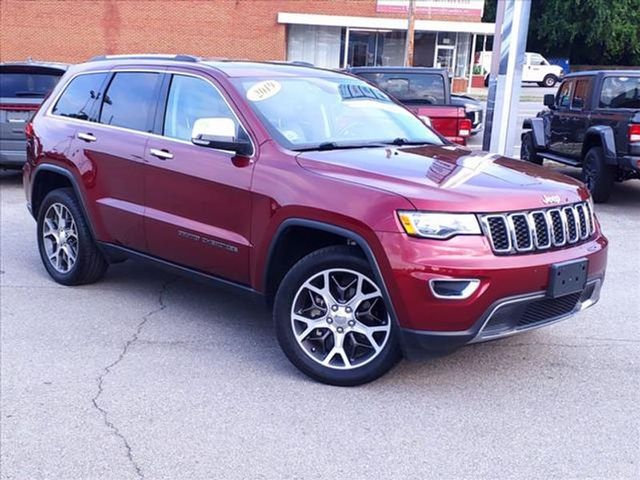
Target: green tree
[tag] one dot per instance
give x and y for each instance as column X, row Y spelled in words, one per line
column 592, row 32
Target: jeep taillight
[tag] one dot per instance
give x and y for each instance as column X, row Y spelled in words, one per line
column 28, row 130
column 634, row 133
column 464, row 127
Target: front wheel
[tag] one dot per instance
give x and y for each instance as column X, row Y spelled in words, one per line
column 528, row 150
column 332, row 320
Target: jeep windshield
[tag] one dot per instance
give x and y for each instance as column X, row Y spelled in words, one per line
column 326, row 113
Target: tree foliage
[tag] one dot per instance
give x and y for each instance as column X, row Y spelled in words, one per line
column 595, row 32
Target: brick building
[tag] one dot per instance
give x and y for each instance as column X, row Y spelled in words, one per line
column 328, row 33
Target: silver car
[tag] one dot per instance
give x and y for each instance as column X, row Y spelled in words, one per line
column 23, row 87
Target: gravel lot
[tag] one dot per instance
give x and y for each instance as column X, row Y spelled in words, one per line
column 145, row 375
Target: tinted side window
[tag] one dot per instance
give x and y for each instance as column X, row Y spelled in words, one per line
column 191, row 99
column 129, row 100
column 580, row 93
column 620, row 92
column 563, row 99
column 78, row 98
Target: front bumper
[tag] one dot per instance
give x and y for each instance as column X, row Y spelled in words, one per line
column 414, row 263
column 504, row 318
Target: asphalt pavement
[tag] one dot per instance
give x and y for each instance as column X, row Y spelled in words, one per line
column 147, row 375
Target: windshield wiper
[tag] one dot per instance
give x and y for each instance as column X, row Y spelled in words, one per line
column 334, row 146
column 400, row 141
column 29, row 94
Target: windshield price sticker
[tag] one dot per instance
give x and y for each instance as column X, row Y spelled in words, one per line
column 263, row 90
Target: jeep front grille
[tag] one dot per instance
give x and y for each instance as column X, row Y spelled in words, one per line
column 538, row 230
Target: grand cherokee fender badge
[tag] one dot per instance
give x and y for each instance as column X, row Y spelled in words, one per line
column 207, row 241
column 551, row 199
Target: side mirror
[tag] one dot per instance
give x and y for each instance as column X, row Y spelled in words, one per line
column 219, row 133
column 550, row 100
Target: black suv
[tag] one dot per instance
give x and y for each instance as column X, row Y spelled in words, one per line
column 23, row 87
column 592, row 122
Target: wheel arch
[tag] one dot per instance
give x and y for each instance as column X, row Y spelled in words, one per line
column 601, row 136
column 536, row 125
column 48, row 177
column 275, row 270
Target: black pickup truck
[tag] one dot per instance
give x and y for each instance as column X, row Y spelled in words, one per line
column 593, row 122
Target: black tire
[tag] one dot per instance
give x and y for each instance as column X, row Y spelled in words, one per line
column 335, row 257
column 90, row 265
column 598, row 176
column 528, row 149
column 549, row 81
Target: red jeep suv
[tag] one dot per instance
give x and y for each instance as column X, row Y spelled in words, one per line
column 369, row 234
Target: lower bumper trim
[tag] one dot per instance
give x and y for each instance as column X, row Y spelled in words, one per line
column 504, row 318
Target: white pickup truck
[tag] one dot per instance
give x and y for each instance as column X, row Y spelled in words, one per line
column 536, row 69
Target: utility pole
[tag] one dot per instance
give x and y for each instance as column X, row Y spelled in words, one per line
column 408, row 46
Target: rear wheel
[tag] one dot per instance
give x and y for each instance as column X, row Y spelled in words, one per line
column 66, row 246
column 549, row 81
column 528, row 149
column 598, row 176
column 332, row 320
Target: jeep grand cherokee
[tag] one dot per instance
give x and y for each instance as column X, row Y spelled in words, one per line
column 369, row 234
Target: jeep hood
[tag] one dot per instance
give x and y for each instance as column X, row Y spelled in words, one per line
column 448, row 178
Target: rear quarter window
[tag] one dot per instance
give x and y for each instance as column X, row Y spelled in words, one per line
column 79, row 96
column 620, row 92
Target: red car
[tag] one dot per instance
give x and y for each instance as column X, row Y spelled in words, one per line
column 369, row 234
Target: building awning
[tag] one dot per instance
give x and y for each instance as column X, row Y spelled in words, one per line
column 385, row 23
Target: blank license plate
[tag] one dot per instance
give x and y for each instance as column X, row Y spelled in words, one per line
column 568, row 277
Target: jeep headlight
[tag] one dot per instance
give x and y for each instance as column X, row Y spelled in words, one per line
column 440, row 226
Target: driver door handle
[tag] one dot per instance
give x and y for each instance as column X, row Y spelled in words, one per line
column 161, row 154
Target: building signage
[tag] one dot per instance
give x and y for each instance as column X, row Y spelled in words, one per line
column 466, row 9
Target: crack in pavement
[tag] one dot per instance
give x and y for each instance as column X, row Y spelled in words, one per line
column 107, row 370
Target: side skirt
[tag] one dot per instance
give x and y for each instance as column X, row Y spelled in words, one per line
column 116, row 253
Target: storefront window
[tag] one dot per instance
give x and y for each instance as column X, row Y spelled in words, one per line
column 376, row 48
column 319, row 45
column 463, row 48
column 424, row 49
column 447, row 38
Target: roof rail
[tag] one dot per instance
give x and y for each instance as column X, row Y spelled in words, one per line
column 297, row 63
column 147, row 56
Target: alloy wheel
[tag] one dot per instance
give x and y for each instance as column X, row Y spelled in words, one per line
column 339, row 319
column 60, row 237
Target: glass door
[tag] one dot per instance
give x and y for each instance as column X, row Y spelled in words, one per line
column 445, row 58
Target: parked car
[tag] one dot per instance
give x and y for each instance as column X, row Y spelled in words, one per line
column 23, row 86
column 370, row 234
column 474, row 110
column 424, row 91
column 536, row 69
column 593, row 122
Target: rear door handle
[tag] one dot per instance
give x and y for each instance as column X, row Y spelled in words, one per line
column 87, row 137
column 161, row 154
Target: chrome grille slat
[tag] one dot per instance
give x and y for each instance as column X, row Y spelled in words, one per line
column 538, row 230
